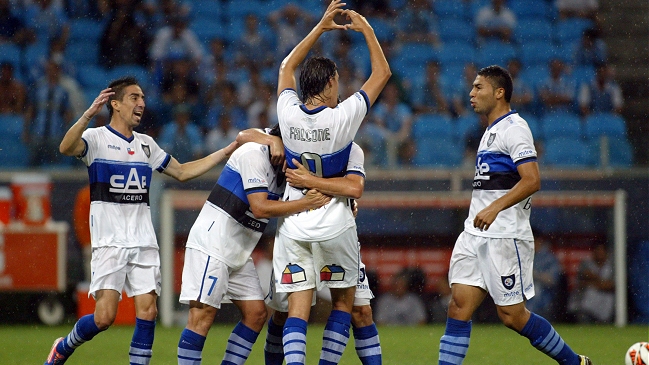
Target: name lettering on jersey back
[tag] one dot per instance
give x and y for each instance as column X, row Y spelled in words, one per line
column 309, row 135
column 133, row 184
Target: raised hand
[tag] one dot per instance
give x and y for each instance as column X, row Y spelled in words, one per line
column 357, row 22
column 327, row 22
column 98, row 103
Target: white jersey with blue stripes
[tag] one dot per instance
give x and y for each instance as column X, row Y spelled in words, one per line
column 321, row 140
column 506, row 144
column 226, row 228
column 120, row 172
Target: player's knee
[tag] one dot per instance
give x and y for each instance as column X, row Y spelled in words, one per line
column 362, row 316
column 512, row 317
column 150, row 313
column 255, row 318
column 103, row 320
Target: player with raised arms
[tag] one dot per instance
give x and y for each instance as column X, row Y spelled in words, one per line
column 320, row 248
column 495, row 252
column 217, row 255
column 125, row 254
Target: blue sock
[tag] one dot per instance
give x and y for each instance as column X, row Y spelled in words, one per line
column 294, row 341
column 454, row 345
column 84, row 330
column 142, row 342
column 335, row 337
column 368, row 345
column 239, row 345
column 273, row 350
column 190, row 348
column 543, row 336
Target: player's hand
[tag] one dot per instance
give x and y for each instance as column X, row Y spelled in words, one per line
column 327, row 22
column 299, row 176
column 316, row 199
column 358, row 22
column 276, row 151
column 99, row 103
column 354, row 208
column 227, row 150
column 485, row 218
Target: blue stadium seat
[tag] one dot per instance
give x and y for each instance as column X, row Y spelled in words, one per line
column 456, row 29
column 466, row 124
column 583, row 74
column 384, row 29
column 85, row 29
column 495, row 52
column 605, row 124
column 530, row 9
column 533, row 30
column 93, row 77
column 567, row 152
column 535, row 126
column 207, row 9
column 450, row 9
column 10, row 52
column 207, row 29
column 82, row 52
column 620, row 153
column 536, row 53
column 239, row 9
column 534, row 74
column 560, row 124
column 458, row 53
column 141, row 74
column 36, row 52
column 415, row 72
column 570, row 30
column 438, row 152
column 11, row 126
column 433, row 126
column 14, row 153
column 416, row 53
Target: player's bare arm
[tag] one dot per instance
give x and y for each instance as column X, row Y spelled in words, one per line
column 259, row 136
column 261, row 207
column 349, row 186
column 286, row 79
column 72, row 145
column 190, row 170
column 529, row 184
column 380, row 68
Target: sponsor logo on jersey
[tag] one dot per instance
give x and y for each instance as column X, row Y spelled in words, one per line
column 332, row 273
column 130, row 151
column 492, row 137
column 361, row 275
column 255, row 180
column 293, row 274
column 111, row 147
column 147, row 150
column 131, row 188
column 526, row 153
column 508, row 281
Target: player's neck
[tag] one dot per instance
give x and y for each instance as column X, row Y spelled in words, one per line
column 498, row 112
column 121, row 127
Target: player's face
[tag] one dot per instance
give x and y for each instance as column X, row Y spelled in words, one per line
column 131, row 108
column 483, row 96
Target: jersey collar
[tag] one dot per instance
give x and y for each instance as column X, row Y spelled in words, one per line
column 314, row 111
column 129, row 140
column 501, row 118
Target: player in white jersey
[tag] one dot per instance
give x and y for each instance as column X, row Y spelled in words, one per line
column 318, row 132
column 125, row 255
column 495, row 252
column 217, row 254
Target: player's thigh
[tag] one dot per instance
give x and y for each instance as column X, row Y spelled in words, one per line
column 337, row 260
column 465, row 267
column 244, row 284
column 506, row 264
column 143, row 276
column 109, row 266
column 293, row 265
column 205, row 279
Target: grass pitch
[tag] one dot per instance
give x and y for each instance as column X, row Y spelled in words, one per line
column 490, row 345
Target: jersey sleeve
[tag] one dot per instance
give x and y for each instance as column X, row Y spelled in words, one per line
column 520, row 144
column 286, row 99
column 159, row 158
column 355, row 164
column 354, row 108
column 89, row 138
column 256, row 171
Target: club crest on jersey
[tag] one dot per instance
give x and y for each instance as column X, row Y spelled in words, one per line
column 508, row 281
column 293, row 274
column 130, row 151
column 332, row 273
column 147, row 150
column 492, row 136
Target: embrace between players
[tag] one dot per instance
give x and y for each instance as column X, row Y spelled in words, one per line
column 316, row 244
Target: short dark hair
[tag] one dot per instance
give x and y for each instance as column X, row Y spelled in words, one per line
column 315, row 75
column 499, row 77
column 275, row 131
column 118, row 86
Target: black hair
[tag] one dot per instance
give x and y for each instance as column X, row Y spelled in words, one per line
column 118, row 86
column 499, row 77
column 275, row 131
column 316, row 73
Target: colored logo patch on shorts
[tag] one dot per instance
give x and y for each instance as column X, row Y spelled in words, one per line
column 293, row 274
column 332, row 273
column 508, row 281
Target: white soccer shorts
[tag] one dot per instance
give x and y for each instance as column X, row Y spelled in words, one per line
column 300, row 265
column 133, row 270
column 501, row 266
column 212, row 282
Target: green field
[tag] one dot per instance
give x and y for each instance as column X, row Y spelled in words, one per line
column 490, row 345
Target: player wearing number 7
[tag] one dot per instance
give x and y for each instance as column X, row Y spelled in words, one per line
column 320, row 248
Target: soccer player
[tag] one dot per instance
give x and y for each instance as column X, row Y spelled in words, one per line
column 217, row 255
column 124, row 248
column 495, row 252
column 320, row 247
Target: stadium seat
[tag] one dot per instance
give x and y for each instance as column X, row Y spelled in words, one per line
column 14, row 153
column 450, row 9
column 464, row 125
column 458, row 53
column 533, row 30
column 82, row 52
column 11, row 126
column 535, row 126
column 432, row 125
column 10, row 52
column 141, row 74
column 438, row 152
column 583, row 74
column 416, row 53
column 85, row 30
column 36, row 52
column 536, row 53
column 93, row 77
column 497, row 53
column 570, row 30
column 239, row 9
column 530, row 9
column 620, row 153
column 207, row 9
column 415, row 72
column 456, row 30
column 605, row 124
column 207, row 29
column 384, row 29
column 534, row 74
column 567, row 152
column 560, row 124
